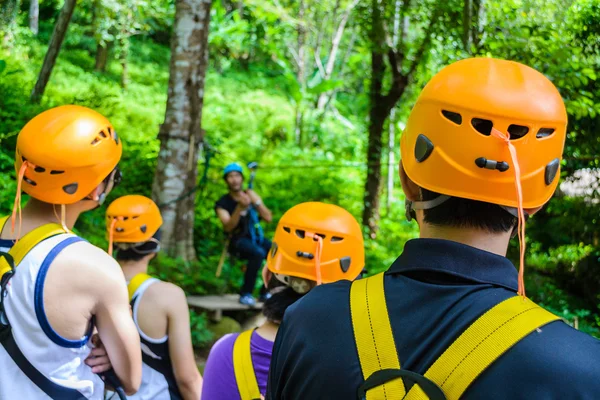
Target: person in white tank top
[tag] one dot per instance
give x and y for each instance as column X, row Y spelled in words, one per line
column 160, row 309
column 64, row 287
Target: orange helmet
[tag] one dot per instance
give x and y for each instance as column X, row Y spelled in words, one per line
column 132, row 219
column 318, row 242
column 69, row 151
column 447, row 146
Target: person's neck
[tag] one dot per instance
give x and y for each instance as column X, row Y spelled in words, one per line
column 268, row 330
column 132, row 268
column 496, row 243
column 37, row 213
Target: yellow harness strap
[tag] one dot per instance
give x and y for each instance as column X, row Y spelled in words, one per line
column 373, row 335
column 244, row 370
column 482, row 343
column 490, row 336
column 27, row 242
column 135, row 283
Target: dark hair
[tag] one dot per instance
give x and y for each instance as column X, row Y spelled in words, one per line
column 464, row 213
column 275, row 307
column 140, row 251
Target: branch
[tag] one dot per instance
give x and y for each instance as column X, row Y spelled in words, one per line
column 293, row 53
column 318, row 48
column 320, row 65
column 338, row 38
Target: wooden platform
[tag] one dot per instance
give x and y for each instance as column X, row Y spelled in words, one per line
column 216, row 304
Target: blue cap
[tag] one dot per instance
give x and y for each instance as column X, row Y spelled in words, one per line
column 233, row 167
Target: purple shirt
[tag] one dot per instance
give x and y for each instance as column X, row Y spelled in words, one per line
column 219, row 377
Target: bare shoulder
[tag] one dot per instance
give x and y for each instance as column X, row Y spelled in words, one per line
column 168, row 291
column 168, row 295
column 90, row 266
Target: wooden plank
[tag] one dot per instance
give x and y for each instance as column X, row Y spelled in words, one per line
column 225, row 302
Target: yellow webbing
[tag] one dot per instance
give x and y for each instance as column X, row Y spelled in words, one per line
column 482, row 343
column 135, row 283
column 244, row 370
column 27, row 242
column 373, row 335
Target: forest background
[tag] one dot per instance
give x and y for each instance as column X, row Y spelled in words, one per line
column 317, row 92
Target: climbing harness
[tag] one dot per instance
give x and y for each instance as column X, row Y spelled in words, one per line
column 482, row 343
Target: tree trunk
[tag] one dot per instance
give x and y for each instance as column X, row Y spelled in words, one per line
column 301, row 75
column 34, row 16
column 391, row 162
column 466, row 25
column 101, row 57
column 377, row 118
column 9, row 10
column 381, row 105
column 124, row 54
column 181, row 132
column 60, row 29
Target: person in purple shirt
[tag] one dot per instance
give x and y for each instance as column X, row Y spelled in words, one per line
column 314, row 243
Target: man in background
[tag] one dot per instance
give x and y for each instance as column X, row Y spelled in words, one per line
column 240, row 212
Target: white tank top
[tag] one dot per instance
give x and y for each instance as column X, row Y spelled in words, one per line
column 158, row 380
column 59, row 359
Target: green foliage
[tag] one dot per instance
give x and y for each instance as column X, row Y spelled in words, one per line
column 201, row 335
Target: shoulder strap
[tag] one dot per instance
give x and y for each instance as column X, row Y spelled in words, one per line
column 135, row 283
column 53, row 390
column 373, row 335
column 490, row 336
column 26, row 243
column 3, row 221
column 243, row 368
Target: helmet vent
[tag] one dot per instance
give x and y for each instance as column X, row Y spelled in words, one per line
column 39, row 169
column 135, row 217
column 300, row 233
column 71, row 188
column 322, row 235
column 55, row 172
column 32, row 183
column 483, row 126
column 119, row 229
column 103, row 134
column 125, row 218
column 517, row 131
column 452, row 116
column 287, row 229
column 544, row 132
column 336, row 239
column 143, row 228
column 95, row 141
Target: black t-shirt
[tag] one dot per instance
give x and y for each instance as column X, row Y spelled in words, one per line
column 227, row 203
column 434, row 291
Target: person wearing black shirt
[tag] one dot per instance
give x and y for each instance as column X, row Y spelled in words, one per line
column 239, row 211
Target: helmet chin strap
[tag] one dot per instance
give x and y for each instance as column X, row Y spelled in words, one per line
column 411, row 206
